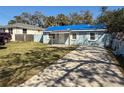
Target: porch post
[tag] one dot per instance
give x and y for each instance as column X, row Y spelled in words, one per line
column 69, row 36
column 52, row 39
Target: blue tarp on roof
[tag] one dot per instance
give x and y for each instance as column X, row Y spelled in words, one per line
column 75, row 27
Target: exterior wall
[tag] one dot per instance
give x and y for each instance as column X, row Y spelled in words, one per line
column 36, row 32
column 82, row 38
column 31, row 32
column 38, row 38
column 46, row 39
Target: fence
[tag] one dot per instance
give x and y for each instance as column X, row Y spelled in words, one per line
column 118, row 47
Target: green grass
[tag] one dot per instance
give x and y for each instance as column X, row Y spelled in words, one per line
column 21, row 60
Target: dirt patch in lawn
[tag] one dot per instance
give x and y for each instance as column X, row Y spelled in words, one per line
column 21, row 60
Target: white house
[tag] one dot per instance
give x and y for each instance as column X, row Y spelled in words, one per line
column 23, row 32
column 82, row 34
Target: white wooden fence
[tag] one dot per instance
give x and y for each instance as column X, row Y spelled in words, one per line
column 118, row 45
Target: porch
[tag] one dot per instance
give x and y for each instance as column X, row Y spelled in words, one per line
column 59, row 38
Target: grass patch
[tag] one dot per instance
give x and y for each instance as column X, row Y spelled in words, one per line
column 21, row 60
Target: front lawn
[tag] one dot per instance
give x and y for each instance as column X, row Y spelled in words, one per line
column 21, row 60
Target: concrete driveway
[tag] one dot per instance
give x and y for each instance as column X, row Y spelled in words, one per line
column 85, row 67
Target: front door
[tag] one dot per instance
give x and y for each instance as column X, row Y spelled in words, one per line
column 61, row 39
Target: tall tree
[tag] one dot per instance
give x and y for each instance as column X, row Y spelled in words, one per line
column 38, row 19
column 61, row 19
column 23, row 18
column 87, row 17
column 104, row 15
column 103, row 9
column 75, row 18
column 33, row 19
column 50, row 21
column 113, row 20
column 84, row 17
column 116, row 21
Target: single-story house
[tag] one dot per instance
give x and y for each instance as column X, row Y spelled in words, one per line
column 82, row 34
column 23, row 32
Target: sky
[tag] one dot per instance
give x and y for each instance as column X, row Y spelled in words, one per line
column 8, row 12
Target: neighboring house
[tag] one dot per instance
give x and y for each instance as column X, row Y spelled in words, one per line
column 23, row 32
column 83, row 34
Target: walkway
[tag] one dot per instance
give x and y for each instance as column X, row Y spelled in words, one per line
column 85, row 67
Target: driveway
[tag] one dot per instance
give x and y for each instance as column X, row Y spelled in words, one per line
column 85, row 67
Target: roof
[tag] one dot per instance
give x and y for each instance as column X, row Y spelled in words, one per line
column 24, row 26
column 75, row 27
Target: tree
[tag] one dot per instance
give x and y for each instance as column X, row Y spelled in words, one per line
column 87, row 17
column 26, row 18
column 50, row 21
column 103, row 17
column 84, row 17
column 103, row 9
column 23, row 18
column 61, row 19
column 75, row 18
column 38, row 19
column 116, row 22
column 11, row 22
column 113, row 20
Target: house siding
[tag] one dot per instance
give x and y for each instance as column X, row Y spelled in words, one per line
column 38, row 38
column 46, row 38
column 82, row 38
column 37, row 34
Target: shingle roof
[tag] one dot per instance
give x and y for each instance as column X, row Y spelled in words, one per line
column 75, row 27
column 24, row 26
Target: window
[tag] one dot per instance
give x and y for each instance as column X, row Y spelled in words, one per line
column 24, row 31
column 74, row 36
column 10, row 30
column 92, row 36
column 52, row 36
column 38, row 30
